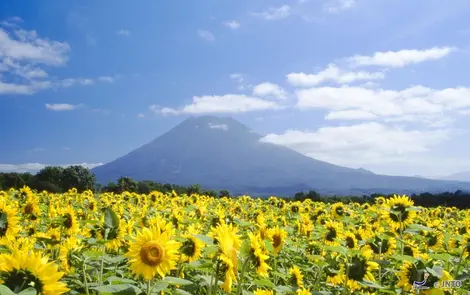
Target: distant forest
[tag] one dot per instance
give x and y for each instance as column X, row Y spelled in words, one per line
column 57, row 179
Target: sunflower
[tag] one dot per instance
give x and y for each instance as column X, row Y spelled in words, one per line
column 263, row 292
column 303, row 291
column 411, row 272
column 380, row 201
column 66, row 250
column 31, row 208
column 433, row 239
column 70, row 222
column 9, row 219
column 410, row 248
column 227, row 238
column 259, row 254
column 278, row 237
column 396, row 213
column 385, row 246
column 191, row 248
column 151, row 253
column 22, row 269
column 332, row 233
column 338, row 210
column 350, row 240
column 296, row 276
column 359, row 269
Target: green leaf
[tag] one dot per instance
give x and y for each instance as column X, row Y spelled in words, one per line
column 160, row 286
column 118, row 281
column 435, row 271
column 205, row 239
column 371, row 284
column 4, row 290
column 182, row 292
column 210, row 250
column 92, row 255
column 462, row 277
column 339, row 249
column 264, row 283
column 124, row 289
column 441, row 256
column 269, row 246
column 177, row 281
column 111, row 220
column 403, row 257
column 283, row 289
column 28, row 291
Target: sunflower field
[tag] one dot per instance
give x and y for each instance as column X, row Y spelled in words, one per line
column 81, row 243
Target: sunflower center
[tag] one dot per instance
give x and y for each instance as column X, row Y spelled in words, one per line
column 380, row 246
column 339, row 211
column 277, row 240
column 68, row 222
column 18, row 280
column 407, row 250
column 432, row 240
column 350, row 242
column 189, row 247
column 152, row 253
column 3, row 223
column 397, row 211
column 331, row 235
column 29, row 208
column 357, row 269
column 463, row 230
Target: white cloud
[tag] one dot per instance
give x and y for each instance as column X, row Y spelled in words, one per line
column 274, row 13
column 331, row 74
column 23, row 56
column 366, row 143
column 269, row 90
column 232, row 24
column 35, row 167
column 400, row 58
column 123, row 32
column 106, row 79
column 229, row 103
column 334, row 6
column 206, row 35
column 140, row 115
column 240, row 80
column 218, row 126
column 26, row 46
column 417, row 103
column 59, row 107
column 350, row 115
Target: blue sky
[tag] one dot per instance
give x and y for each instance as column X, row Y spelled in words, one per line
column 361, row 83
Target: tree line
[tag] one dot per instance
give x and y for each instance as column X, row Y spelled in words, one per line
column 56, row 179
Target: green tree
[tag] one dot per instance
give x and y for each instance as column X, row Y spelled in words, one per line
column 127, row 184
column 78, row 177
column 224, row 193
column 50, row 176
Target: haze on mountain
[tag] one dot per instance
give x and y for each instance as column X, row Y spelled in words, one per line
column 222, row 153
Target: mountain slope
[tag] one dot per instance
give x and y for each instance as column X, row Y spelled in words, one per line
column 461, row 176
column 222, row 153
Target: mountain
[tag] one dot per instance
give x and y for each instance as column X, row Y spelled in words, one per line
column 461, row 176
column 222, row 153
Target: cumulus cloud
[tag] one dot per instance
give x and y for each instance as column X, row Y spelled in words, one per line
column 401, row 58
column 35, row 167
column 232, row 24
column 417, row 103
column 332, row 74
column 365, row 143
column 206, row 35
column 350, row 115
column 275, row 13
column 229, row 103
column 269, row 90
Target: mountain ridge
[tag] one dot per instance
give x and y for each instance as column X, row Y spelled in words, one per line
column 222, row 153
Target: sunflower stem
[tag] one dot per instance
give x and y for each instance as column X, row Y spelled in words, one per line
column 242, row 275
column 402, row 246
column 214, row 279
column 103, row 253
column 84, row 278
column 460, row 262
column 148, row 287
